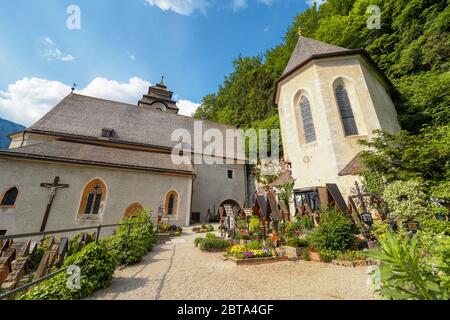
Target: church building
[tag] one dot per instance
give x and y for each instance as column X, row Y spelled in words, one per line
column 91, row 161
column 328, row 99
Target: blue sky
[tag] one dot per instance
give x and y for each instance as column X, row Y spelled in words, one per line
column 193, row 42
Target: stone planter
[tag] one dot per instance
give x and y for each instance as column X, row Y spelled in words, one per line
column 163, row 237
column 257, row 261
column 292, row 252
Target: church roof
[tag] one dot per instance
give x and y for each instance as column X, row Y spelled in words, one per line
column 84, row 117
column 307, row 48
column 354, row 167
column 78, row 153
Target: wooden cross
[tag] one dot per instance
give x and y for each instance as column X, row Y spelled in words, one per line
column 53, row 188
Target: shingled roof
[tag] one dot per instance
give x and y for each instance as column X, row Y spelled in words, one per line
column 307, row 48
column 83, row 116
column 70, row 152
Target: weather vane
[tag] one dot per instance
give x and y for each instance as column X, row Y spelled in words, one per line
column 73, row 87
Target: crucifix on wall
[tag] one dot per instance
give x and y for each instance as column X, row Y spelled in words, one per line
column 53, row 188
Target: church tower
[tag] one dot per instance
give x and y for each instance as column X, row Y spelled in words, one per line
column 329, row 98
column 159, row 99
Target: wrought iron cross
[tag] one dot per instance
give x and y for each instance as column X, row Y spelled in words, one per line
column 53, row 188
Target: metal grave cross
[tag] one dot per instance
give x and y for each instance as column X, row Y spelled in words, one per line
column 53, row 188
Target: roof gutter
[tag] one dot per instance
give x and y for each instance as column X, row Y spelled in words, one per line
column 28, row 156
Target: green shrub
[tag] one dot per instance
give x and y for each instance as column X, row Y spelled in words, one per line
column 133, row 241
column 297, row 242
column 210, row 235
column 351, row 255
column 254, row 224
column 406, row 199
column 97, row 264
column 209, row 228
column 407, row 273
column 254, row 245
column 214, row 244
column 305, row 255
column 328, row 255
column 197, row 241
column 336, row 232
column 305, row 222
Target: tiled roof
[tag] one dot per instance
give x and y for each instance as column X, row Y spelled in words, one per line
column 307, row 48
column 96, row 155
column 85, row 116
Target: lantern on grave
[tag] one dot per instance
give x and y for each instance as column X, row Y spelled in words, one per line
column 367, row 218
column 412, row 226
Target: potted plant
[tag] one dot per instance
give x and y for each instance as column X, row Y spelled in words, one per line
column 313, row 254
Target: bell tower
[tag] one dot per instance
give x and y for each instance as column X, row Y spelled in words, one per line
column 159, row 99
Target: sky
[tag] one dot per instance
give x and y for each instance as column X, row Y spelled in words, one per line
column 115, row 49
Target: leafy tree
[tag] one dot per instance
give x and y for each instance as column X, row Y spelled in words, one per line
column 412, row 48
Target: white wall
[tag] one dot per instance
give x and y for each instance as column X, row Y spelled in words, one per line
column 318, row 163
column 124, row 188
column 212, row 187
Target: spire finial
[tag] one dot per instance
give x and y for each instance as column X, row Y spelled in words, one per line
column 299, row 31
column 162, row 80
column 73, row 87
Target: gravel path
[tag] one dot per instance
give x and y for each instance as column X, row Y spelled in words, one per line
column 181, row 271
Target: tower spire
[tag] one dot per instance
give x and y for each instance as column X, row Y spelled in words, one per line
column 161, row 83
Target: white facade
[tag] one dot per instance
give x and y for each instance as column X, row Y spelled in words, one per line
column 317, row 163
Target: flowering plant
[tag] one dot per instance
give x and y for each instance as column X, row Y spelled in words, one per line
column 237, row 249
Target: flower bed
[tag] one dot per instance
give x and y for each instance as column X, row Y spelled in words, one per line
column 253, row 253
column 255, row 261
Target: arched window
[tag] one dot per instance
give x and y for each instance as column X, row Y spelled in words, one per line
column 93, row 199
column 345, row 109
column 307, row 120
column 133, row 210
column 9, row 198
column 171, row 203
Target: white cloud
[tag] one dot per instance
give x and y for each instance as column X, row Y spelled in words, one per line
column 52, row 52
column 183, row 7
column 187, row 108
column 187, row 7
column 243, row 4
column 132, row 57
column 129, row 92
column 27, row 100
column 239, row 4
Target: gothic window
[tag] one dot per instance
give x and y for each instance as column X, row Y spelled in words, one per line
column 9, row 198
column 171, row 203
column 93, row 198
column 307, row 120
column 133, row 210
column 345, row 109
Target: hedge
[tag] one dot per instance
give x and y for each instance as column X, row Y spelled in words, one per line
column 98, row 262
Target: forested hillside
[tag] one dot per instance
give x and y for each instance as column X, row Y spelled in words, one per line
column 6, row 128
column 412, row 48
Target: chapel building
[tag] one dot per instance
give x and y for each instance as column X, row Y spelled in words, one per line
column 95, row 161
column 329, row 98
